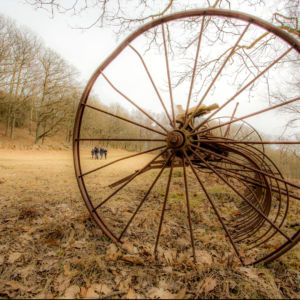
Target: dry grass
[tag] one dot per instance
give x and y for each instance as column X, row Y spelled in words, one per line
column 51, row 248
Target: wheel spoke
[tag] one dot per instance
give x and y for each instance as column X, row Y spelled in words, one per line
column 214, row 208
column 121, row 140
column 232, row 116
column 127, row 182
column 163, row 208
column 217, row 75
column 133, row 103
column 194, row 69
column 247, row 116
column 168, row 73
column 124, row 119
column 239, row 194
column 123, row 158
column 152, row 82
column 248, row 167
column 145, row 197
column 241, row 90
column 188, row 205
column 229, row 141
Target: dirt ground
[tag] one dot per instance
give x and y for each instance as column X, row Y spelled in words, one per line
column 51, row 248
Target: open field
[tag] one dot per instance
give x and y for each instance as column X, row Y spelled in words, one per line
column 50, row 247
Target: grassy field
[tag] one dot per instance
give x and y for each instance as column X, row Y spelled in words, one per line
column 51, row 248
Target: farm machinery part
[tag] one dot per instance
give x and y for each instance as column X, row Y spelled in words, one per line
column 198, row 141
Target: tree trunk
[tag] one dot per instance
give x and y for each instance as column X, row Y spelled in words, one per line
column 37, row 132
column 30, row 121
column 12, row 128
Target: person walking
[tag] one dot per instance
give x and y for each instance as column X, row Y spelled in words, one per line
column 101, row 152
column 96, row 151
column 105, row 153
column 92, row 153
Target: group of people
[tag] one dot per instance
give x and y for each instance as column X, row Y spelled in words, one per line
column 95, row 151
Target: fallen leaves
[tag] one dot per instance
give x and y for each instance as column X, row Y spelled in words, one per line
column 112, row 253
column 13, row 257
column 160, row 293
column 133, row 259
column 207, row 285
column 72, row 292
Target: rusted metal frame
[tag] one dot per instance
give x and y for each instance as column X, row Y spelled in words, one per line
column 120, row 159
column 241, row 221
column 237, row 132
column 127, row 182
column 258, row 227
column 217, row 75
column 188, row 204
column 279, row 173
column 248, row 116
column 168, row 73
column 214, row 208
column 163, row 209
column 242, row 139
column 121, row 140
column 281, row 250
column 225, row 172
column 80, row 179
column 237, row 192
column 152, row 82
column 218, row 140
column 145, row 197
column 280, row 191
column 194, row 69
column 231, row 118
column 155, row 166
column 133, row 103
column 251, row 217
column 124, row 119
column 241, row 90
column 258, row 157
column 253, row 181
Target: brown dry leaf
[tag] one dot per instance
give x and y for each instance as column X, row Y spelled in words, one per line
column 249, row 272
column 104, row 289
column 203, row 257
column 83, row 292
column 61, row 283
column 13, row 257
column 181, row 294
column 129, row 247
column 1, row 260
column 79, row 244
column 170, row 256
column 72, row 292
column 124, row 284
column 131, row 294
column 91, row 293
column 209, row 285
column 133, row 259
column 160, row 293
column 112, row 253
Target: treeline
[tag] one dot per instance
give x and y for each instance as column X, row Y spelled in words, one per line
column 38, row 89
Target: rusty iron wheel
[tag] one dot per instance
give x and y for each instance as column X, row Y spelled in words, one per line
column 227, row 149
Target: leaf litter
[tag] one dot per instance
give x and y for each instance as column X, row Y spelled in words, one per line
column 51, row 248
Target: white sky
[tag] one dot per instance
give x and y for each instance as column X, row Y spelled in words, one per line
column 86, row 49
column 83, row 49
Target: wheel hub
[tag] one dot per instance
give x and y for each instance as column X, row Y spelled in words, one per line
column 177, row 139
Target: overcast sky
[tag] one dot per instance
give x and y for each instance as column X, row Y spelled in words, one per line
column 86, row 49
